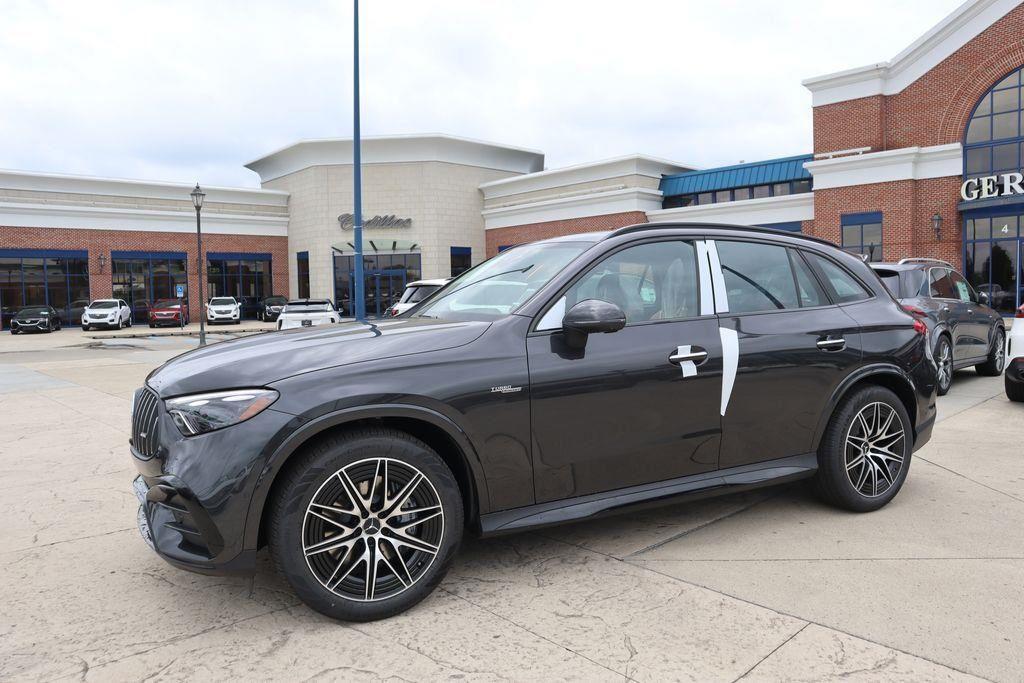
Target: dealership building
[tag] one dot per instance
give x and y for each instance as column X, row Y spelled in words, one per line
column 921, row 156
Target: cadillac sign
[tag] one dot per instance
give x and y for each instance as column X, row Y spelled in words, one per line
column 990, row 186
column 347, row 222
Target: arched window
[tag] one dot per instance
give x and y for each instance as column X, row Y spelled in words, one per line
column 993, row 142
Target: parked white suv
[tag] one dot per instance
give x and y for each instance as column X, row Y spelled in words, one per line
column 1013, row 377
column 307, row 313
column 106, row 313
column 414, row 293
column 223, row 309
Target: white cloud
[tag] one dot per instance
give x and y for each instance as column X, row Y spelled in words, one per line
column 192, row 90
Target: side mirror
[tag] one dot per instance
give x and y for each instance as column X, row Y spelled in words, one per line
column 591, row 316
column 984, row 299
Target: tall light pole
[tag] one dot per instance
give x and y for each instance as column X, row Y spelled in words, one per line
column 197, row 201
column 357, row 177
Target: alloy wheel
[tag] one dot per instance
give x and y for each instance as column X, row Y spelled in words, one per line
column 372, row 529
column 945, row 363
column 875, row 444
column 1000, row 352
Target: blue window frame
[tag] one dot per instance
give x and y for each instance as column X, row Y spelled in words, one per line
column 461, row 260
column 245, row 276
column 143, row 277
column 862, row 234
column 48, row 277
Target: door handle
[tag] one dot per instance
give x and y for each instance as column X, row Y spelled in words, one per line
column 696, row 354
column 832, row 344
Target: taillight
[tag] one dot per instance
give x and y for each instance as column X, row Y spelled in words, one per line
column 920, row 327
column 1020, row 312
column 914, row 311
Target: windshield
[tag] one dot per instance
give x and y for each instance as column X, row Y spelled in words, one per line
column 103, row 304
column 414, row 295
column 30, row 312
column 222, row 302
column 308, row 307
column 167, row 303
column 498, row 286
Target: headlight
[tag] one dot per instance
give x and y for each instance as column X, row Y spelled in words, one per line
column 201, row 413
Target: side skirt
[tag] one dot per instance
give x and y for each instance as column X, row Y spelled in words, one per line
column 702, row 485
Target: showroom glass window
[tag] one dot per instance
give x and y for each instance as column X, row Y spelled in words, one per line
column 862, row 234
column 246, row 277
column 384, row 280
column 993, row 145
column 34, row 277
column 141, row 278
column 462, row 260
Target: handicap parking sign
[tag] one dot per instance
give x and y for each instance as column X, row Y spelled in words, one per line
column 179, row 291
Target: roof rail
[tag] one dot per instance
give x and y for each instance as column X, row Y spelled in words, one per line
column 923, row 259
column 640, row 227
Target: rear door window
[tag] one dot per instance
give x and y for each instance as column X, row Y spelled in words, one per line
column 761, row 277
column 941, row 284
column 844, row 287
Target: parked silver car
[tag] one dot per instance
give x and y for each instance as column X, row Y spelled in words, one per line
column 962, row 327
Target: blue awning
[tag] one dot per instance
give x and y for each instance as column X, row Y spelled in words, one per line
column 740, row 175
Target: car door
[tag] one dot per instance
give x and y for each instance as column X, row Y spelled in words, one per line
column 638, row 405
column 792, row 346
column 980, row 319
column 952, row 312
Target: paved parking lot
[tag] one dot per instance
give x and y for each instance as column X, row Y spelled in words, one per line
column 771, row 585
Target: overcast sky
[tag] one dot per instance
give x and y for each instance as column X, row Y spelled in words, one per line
column 186, row 91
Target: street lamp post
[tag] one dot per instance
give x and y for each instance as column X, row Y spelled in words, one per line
column 197, row 201
column 357, row 180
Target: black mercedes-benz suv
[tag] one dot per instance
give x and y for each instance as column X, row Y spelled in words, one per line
column 557, row 381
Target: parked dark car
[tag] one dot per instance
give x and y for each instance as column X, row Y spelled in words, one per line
column 963, row 330
column 35, row 319
column 250, row 307
column 271, row 308
column 557, row 381
column 168, row 313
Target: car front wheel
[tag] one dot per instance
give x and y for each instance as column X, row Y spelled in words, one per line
column 865, row 452
column 365, row 524
column 993, row 365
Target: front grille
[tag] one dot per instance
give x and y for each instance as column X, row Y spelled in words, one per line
column 144, row 423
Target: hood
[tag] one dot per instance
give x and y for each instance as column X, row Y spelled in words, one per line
column 262, row 359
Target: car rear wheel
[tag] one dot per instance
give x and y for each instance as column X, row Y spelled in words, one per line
column 993, row 365
column 865, row 452
column 365, row 524
column 944, row 361
column 1014, row 390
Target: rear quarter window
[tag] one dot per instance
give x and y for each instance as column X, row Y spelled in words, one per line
column 845, row 287
column 891, row 280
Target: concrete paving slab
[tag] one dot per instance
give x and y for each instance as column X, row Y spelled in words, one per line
column 16, row 378
column 632, row 621
column 936, row 515
column 72, row 605
column 821, row 654
column 443, row 638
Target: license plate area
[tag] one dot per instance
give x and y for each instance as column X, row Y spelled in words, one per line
column 307, row 323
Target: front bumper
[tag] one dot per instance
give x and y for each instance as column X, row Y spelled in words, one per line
column 159, row 321
column 194, row 493
column 36, row 326
column 222, row 317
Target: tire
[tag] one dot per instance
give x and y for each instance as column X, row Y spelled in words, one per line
column 1014, row 390
column 316, row 477
column 993, row 365
column 151, row 326
column 85, row 328
column 944, row 361
column 837, row 479
column 14, row 331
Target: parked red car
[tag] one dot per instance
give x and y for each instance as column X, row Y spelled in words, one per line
column 171, row 312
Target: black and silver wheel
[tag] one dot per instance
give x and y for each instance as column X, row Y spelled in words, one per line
column 865, row 453
column 944, row 362
column 993, row 365
column 365, row 525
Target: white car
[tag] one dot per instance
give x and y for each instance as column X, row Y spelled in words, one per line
column 1013, row 376
column 414, row 293
column 223, row 309
column 113, row 313
column 307, row 313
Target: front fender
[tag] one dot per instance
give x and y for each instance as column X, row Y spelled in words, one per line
column 306, row 430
